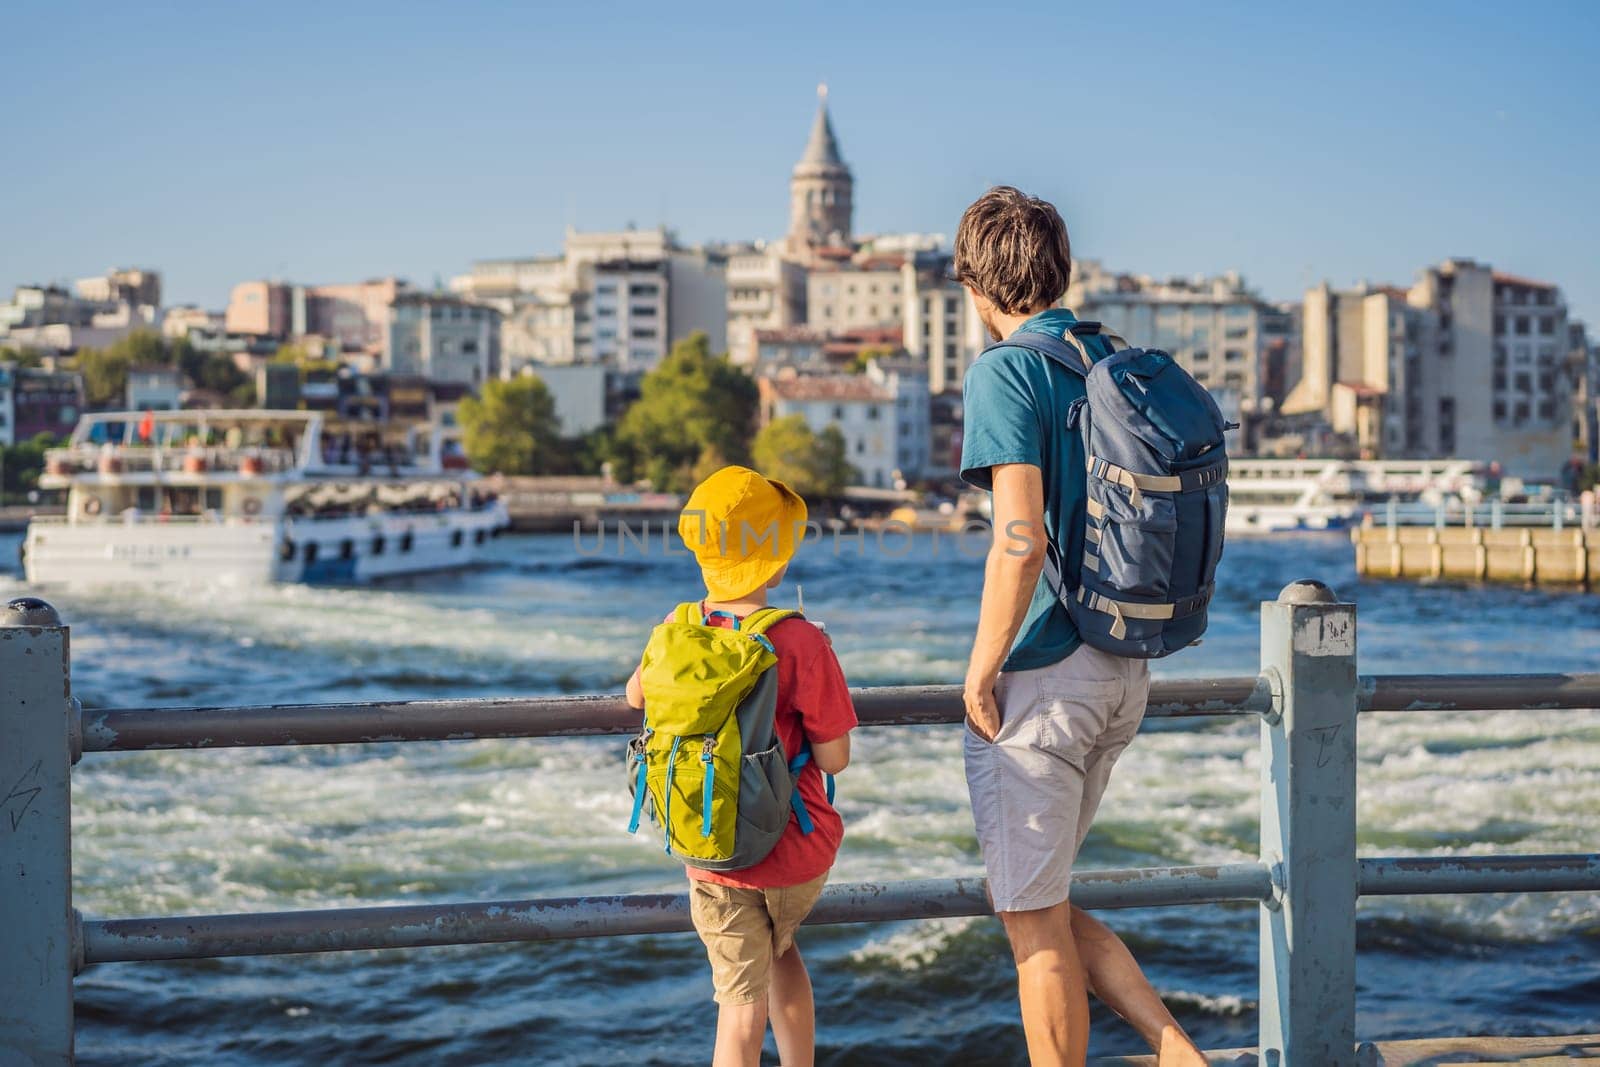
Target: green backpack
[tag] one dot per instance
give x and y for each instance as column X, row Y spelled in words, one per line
column 708, row 764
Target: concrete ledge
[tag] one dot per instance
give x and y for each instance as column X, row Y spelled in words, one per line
column 1425, row 1053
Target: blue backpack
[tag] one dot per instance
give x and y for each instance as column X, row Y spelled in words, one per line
column 1158, row 495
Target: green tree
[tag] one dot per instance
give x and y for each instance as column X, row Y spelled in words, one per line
column 692, row 405
column 20, row 465
column 867, row 354
column 512, row 428
column 21, row 357
column 812, row 464
column 105, row 370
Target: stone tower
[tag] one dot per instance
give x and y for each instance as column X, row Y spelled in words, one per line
column 820, row 189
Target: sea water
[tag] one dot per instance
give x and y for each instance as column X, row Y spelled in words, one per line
column 248, row 830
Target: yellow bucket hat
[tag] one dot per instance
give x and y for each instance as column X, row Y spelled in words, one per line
column 742, row 529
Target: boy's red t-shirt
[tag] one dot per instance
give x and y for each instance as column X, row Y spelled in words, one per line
column 813, row 705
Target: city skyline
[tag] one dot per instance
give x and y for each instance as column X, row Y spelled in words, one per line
column 311, row 150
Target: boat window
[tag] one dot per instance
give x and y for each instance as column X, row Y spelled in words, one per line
column 455, row 539
column 347, row 549
column 311, row 551
column 405, row 541
column 378, row 545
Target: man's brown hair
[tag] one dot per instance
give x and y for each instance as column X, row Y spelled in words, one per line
column 1013, row 248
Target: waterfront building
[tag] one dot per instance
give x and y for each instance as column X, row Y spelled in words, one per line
column 882, row 414
column 866, row 295
column 1468, row 362
column 444, row 338
column 35, row 400
column 1583, row 360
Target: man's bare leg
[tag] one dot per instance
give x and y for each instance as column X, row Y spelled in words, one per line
column 1055, row 1006
column 1114, row 976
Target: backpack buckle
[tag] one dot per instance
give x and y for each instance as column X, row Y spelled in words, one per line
column 1075, row 412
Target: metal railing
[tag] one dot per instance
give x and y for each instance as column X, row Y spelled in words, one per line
column 1306, row 881
column 1494, row 514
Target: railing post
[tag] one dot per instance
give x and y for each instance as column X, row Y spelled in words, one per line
column 1308, row 829
column 39, row 936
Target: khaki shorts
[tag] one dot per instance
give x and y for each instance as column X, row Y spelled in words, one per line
column 1035, row 788
column 745, row 930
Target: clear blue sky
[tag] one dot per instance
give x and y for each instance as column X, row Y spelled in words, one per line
column 333, row 141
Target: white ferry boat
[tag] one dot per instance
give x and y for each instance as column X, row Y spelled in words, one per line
column 1270, row 495
column 251, row 497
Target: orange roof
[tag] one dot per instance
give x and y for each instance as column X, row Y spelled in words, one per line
column 844, row 387
column 800, row 334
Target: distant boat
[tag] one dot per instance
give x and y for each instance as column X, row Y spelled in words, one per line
column 251, row 497
column 1272, row 496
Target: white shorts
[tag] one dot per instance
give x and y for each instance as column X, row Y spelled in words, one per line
column 1035, row 789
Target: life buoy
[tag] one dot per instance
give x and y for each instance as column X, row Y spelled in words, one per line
column 92, row 506
column 251, row 506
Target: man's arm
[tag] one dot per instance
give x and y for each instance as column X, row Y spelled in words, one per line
column 635, row 690
column 1016, row 559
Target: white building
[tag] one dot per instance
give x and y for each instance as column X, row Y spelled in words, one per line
column 941, row 324
column 154, row 389
column 766, row 291
column 101, row 311
column 581, row 305
column 579, row 392
column 444, row 338
column 882, row 415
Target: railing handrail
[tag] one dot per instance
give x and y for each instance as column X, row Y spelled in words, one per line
column 363, row 722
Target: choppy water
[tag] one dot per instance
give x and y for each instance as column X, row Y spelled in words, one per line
column 265, row 829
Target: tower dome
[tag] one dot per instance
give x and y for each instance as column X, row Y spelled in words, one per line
column 820, row 187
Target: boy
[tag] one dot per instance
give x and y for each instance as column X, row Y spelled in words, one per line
column 743, row 530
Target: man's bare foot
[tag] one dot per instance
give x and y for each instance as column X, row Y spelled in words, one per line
column 1178, row 1051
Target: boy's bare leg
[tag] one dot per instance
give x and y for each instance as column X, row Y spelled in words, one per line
column 793, row 1012
column 1114, row 977
column 1055, row 1006
column 740, row 1030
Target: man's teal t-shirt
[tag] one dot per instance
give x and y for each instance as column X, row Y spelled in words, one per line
column 1014, row 405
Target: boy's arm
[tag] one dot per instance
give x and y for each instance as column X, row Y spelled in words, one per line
column 635, row 692
column 827, row 714
column 831, row 757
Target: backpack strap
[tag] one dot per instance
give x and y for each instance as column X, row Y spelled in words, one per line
column 1066, row 349
column 758, row 622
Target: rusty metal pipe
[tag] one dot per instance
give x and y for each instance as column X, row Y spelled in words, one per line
column 1435, row 875
column 565, row 918
column 130, row 729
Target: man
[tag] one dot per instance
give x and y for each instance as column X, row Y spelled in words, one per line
column 1047, row 716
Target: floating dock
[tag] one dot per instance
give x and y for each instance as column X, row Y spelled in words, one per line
column 1567, row 556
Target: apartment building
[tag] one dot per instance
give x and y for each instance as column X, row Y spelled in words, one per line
column 766, row 291
column 882, row 415
column 1219, row 330
column 1468, row 363
column 442, row 338
column 95, row 313
column 1359, row 350
column 866, row 295
column 941, row 324
column 624, row 297
column 353, row 317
